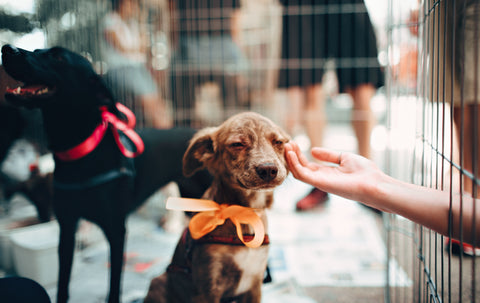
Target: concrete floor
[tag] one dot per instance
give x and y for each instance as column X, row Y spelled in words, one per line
column 327, row 255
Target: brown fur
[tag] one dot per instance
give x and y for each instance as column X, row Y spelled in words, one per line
column 246, row 157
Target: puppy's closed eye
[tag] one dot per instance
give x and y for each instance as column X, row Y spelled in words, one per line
column 237, row 145
column 279, row 144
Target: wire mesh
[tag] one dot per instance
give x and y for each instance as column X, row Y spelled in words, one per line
column 207, row 60
column 434, row 53
column 235, row 64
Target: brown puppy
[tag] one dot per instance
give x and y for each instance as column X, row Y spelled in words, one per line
column 246, row 157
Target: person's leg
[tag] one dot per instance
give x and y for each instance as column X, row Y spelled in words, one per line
column 182, row 94
column 466, row 66
column 315, row 120
column 363, row 119
column 467, row 124
column 155, row 111
column 466, row 129
column 314, row 114
column 296, row 106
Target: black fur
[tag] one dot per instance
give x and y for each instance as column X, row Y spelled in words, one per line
column 70, row 113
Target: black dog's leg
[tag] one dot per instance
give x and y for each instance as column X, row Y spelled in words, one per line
column 65, row 252
column 116, row 238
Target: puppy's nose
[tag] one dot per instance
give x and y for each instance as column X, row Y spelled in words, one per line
column 9, row 49
column 267, row 171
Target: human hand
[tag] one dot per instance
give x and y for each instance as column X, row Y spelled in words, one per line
column 357, row 178
column 344, row 174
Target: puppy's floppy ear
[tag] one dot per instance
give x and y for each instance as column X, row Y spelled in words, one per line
column 200, row 151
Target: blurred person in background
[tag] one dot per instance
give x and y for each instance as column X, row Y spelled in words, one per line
column 452, row 30
column 124, row 50
column 459, row 61
column 453, row 50
column 313, row 32
column 206, row 36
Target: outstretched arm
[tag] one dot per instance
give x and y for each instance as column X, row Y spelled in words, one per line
column 357, row 178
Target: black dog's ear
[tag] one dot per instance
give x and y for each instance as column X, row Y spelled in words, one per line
column 200, row 151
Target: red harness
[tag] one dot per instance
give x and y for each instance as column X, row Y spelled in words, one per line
column 108, row 119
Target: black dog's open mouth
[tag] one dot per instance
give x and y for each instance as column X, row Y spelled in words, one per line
column 30, row 91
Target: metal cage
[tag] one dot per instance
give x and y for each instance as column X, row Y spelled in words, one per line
column 433, row 56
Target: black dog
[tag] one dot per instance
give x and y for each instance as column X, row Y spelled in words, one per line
column 104, row 185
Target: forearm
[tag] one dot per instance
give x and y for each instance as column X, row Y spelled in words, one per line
column 122, row 45
column 422, row 205
column 428, row 207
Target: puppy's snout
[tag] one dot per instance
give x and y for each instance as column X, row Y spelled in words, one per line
column 267, row 171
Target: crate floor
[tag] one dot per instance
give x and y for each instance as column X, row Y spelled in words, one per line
column 336, row 245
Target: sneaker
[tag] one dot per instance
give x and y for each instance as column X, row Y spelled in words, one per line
column 457, row 248
column 312, row 200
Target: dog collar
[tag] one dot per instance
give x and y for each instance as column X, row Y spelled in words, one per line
column 185, row 267
column 108, row 119
column 229, row 240
column 211, row 214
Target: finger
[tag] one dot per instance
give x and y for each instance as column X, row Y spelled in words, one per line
column 301, row 157
column 293, row 147
column 293, row 163
column 327, row 155
column 288, row 147
column 300, row 171
column 292, row 159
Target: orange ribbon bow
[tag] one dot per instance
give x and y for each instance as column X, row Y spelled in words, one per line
column 212, row 214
